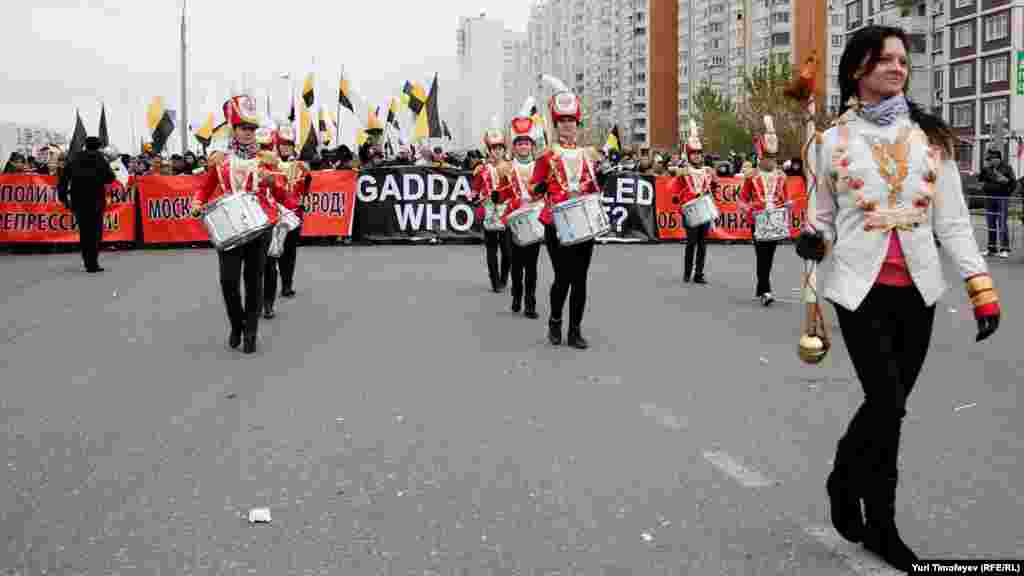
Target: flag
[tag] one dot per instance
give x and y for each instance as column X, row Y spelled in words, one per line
column 307, row 91
column 291, row 112
column 613, row 139
column 205, row 133
column 160, row 123
column 103, row 135
column 360, row 137
column 343, row 95
column 447, row 134
column 77, row 137
column 307, row 135
column 433, row 118
column 393, row 112
column 325, row 127
column 417, row 97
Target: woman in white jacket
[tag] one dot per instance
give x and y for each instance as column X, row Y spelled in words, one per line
column 888, row 187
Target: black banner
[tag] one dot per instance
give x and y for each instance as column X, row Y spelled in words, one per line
column 409, row 202
column 629, row 199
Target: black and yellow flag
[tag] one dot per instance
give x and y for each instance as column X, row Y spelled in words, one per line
column 417, row 96
column 307, row 91
column 433, row 117
column 160, row 123
column 343, row 95
column 104, row 136
column 205, row 133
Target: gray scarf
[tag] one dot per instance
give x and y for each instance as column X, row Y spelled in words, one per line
column 885, row 112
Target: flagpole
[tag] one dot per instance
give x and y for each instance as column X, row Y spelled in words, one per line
column 184, row 78
column 337, row 128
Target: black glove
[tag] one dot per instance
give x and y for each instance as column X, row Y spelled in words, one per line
column 540, row 189
column 494, row 197
column 987, row 325
column 810, row 246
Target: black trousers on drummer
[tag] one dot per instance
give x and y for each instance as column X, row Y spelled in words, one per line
column 285, row 264
column 764, row 253
column 696, row 240
column 498, row 241
column 571, row 265
column 887, row 338
column 90, row 233
column 524, row 274
column 246, row 263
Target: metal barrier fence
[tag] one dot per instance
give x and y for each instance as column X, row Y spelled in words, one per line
column 998, row 222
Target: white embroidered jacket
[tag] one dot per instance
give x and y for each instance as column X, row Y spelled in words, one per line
column 874, row 180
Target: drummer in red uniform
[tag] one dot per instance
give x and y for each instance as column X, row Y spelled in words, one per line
column 515, row 191
column 693, row 181
column 563, row 172
column 240, row 112
column 764, row 187
column 295, row 191
column 485, row 184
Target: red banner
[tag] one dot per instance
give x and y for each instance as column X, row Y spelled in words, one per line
column 330, row 204
column 166, row 204
column 166, row 201
column 730, row 225
column 31, row 212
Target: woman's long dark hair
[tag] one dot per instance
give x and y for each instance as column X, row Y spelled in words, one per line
column 868, row 43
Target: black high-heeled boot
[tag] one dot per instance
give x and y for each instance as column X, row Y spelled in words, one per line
column 555, row 332
column 235, row 338
column 250, row 344
column 880, row 533
column 576, row 339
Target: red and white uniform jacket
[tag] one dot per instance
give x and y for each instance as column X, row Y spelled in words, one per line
column 211, row 188
column 568, row 174
column 485, row 180
column 694, row 182
column 515, row 191
column 295, row 193
column 761, row 190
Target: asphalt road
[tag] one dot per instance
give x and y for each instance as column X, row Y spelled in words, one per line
column 398, row 419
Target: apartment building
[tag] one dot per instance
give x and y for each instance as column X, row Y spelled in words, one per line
column 963, row 55
column 603, row 50
column 493, row 65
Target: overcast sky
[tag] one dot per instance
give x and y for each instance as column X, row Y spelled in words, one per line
column 63, row 54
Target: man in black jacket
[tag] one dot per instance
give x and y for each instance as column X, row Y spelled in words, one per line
column 82, row 189
column 998, row 182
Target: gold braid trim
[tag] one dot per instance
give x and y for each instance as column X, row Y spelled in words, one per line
column 978, row 284
column 986, row 297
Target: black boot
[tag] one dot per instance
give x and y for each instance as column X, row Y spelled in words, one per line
column 531, row 310
column 235, row 338
column 268, row 310
column 517, row 304
column 880, row 534
column 699, row 279
column 844, row 501
column 555, row 332
column 288, row 292
column 250, row 344
column 576, row 339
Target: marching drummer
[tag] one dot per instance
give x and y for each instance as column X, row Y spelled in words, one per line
column 564, row 172
column 516, row 192
column 485, row 183
column 296, row 184
column 240, row 112
column 692, row 182
column 763, row 189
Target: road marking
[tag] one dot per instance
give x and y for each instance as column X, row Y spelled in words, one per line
column 664, row 418
column 748, row 477
column 859, row 561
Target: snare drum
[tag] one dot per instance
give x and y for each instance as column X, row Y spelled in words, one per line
column 492, row 217
column 286, row 222
column 699, row 211
column 580, row 219
column 772, row 224
column 234, row 220
column 525, row 224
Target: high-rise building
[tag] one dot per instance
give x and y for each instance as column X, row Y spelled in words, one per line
column 602, row 50
column 493, row 73
column 962, row 56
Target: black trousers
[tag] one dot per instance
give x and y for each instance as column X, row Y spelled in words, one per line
column 764, row 253
column 888, row 339
column 571, row 265
column 498, row 241
column 524, row 268
column 285, row 264
column 90, row 233
column 253, row 256
column 696, row 240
